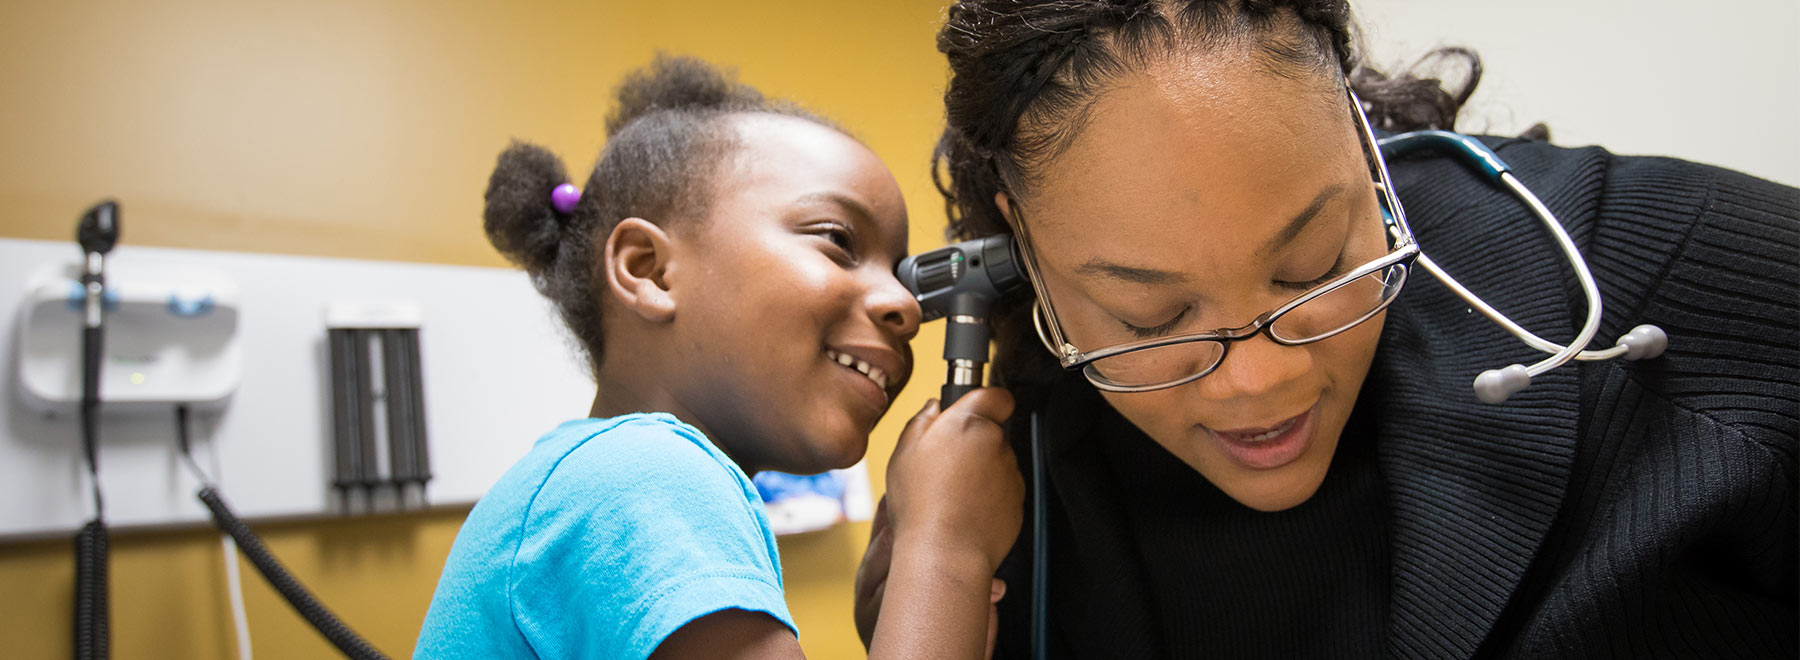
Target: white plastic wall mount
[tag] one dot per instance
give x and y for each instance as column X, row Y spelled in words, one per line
column 171, row 336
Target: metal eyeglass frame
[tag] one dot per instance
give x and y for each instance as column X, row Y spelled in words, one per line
column 1403, row 251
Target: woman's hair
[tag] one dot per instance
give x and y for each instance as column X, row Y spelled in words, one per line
column 666, row 142
column 1024, row 76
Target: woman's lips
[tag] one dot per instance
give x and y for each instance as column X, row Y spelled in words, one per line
column 1266, row 448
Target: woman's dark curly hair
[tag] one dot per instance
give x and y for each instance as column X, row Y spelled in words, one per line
column 666, row 142
column 1025, row 74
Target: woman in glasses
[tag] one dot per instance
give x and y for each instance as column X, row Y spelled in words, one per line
column 1255, row 419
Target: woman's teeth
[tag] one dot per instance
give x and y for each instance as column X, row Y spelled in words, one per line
column 1268, row 435
column 874, row 373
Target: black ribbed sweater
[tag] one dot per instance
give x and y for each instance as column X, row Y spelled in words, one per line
column 1612, row 509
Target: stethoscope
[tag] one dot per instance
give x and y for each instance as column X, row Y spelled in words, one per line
column 1496, row 385
column 1491, row 386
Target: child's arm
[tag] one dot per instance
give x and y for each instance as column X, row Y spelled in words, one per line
column 954, row 506
column 955, row 503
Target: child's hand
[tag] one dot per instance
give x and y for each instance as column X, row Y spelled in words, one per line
column 953, row 508
column 953, row 483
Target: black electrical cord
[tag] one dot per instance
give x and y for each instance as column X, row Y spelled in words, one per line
column 1040, row 550
column 92, row 626
column 96, row 233
column 92, row 634
column 315, row 613
column 92, row 344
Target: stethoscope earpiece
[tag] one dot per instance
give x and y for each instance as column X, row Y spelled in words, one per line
column 1644, row 342
column 1496, row 385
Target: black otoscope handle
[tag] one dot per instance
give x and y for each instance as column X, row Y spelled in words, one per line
column 965, row 346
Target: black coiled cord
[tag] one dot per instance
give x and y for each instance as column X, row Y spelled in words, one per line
column 91, row 632
column 303, row 602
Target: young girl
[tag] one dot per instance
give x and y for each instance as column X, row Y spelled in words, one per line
column 728, row 271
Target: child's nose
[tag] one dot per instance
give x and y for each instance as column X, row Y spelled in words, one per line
column 893, row 308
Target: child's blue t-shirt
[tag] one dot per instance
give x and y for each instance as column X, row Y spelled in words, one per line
column 607, row 537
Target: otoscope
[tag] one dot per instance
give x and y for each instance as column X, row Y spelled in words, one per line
column 97, row 233
column 960, row 282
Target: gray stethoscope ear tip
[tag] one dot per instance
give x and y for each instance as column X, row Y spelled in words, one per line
column 1644, row 342
column 1495, row 385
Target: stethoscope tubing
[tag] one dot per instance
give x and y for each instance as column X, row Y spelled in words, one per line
column 1496, row 385
column 1560, row 354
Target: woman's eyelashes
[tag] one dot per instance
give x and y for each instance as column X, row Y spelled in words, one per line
column 1160, row 329
column 1336, row 270
column 1332, row 273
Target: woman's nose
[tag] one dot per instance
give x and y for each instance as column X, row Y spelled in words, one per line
column 1255, row 367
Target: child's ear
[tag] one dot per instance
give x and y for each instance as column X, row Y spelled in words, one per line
column 636, row 259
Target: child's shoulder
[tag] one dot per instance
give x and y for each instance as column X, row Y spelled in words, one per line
column 635, row 456
column 635, row 443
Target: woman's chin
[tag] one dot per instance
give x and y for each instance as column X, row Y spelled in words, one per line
column 1271, row 493
column 1277, row 489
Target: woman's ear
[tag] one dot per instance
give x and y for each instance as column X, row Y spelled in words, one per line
column 1005, row 204
column 637, row 259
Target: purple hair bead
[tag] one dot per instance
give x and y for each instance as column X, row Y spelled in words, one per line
column 564, row 198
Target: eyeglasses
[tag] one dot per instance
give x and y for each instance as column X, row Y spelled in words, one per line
column 1317, row 314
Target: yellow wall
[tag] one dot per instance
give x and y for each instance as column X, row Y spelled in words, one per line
column 367, row 129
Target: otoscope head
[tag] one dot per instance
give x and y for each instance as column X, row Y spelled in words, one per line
column 99, row 228
column 986, row 268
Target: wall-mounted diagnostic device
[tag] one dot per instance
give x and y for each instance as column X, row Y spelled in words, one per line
column 171, row 338
column 377, row 403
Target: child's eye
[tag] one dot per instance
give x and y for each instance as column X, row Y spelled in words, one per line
column 841, row 239
column 840, row 236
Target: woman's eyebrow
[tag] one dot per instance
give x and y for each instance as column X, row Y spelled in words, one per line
column 1102, row 268
column 1299, row 222
column 1097, row 267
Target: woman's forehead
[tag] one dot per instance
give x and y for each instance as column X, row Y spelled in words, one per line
column 1162, row 166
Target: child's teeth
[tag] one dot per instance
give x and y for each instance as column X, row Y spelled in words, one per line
column 873, row 372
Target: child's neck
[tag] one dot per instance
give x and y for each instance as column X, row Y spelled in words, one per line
column 618, row 395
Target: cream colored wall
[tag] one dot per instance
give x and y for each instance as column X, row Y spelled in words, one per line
column 367, row 129
column 1714, row 82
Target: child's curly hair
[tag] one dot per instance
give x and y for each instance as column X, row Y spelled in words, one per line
column 665, row 143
